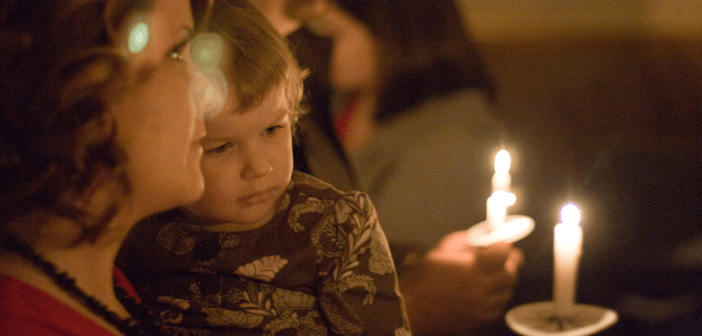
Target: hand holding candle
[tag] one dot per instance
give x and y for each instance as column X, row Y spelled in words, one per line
column 498, row 226
column 567, row 245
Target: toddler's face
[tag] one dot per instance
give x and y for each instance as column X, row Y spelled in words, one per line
column 247, row 164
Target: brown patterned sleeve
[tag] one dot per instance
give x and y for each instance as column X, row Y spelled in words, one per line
column 357, row 284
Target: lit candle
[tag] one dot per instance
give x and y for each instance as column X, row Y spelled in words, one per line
column 567, row 245
column 501, row 180
column 497, row 205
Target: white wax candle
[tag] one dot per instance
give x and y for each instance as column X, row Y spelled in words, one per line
column 497, row 205
column 567, row 245
column 501, row 180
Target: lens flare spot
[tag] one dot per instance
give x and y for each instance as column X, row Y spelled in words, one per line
column 209, row 90
column 209, row 93
column 138, row 37
column 207, row 50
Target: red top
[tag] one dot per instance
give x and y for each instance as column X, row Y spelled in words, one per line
column 342, row 122
column 26, row 310
column 121, row 281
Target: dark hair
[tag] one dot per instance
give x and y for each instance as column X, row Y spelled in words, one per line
column 260, row 58
column 425, row 51
column 61, row 63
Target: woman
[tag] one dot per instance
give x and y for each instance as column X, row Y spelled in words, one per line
column 98, row 129
column 414, row 119
column 413, row 112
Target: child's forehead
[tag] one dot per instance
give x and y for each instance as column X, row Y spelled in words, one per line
column 274, row 98
column 272, row 109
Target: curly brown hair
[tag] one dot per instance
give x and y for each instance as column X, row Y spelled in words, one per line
column 61, row 63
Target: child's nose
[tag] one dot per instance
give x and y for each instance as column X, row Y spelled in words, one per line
column 256, row 164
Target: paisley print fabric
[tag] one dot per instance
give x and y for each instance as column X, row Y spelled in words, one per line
column 322, row 266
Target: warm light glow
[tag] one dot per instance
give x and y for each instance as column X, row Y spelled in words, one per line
column 138, row 37
column 504, row 198
column 570, row 214
column 207, row 51
column 502, row 161
column 209, row 92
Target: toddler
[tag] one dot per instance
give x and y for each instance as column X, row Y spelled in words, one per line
column 266, row 250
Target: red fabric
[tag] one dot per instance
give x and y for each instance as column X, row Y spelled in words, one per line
column 26, row 310
column 342, row 122
column 123, row 282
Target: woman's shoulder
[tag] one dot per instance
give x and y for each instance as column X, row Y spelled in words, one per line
column 466, row 114
column 464, row 109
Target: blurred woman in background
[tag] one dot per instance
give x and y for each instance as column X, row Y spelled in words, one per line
column 408, row 104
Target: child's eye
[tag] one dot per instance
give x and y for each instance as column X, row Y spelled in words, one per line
column 271, row 130
column 219, row 149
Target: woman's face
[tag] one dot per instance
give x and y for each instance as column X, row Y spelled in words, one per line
column 354, row 63
column 157, row 123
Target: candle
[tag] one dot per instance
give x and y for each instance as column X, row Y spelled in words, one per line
column 567, row 245
column 497, row 205
column 501, row 180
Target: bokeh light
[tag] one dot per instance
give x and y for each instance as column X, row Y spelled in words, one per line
column 138, row 37
column 209, row 92
column 570, row 214
column 502, row 161
column 207, row 51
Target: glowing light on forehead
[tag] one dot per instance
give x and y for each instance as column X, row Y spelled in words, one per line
column 207, row 51
column 209, row 88
column 138, row 37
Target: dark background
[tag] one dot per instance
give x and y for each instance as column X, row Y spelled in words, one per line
column 615, row 125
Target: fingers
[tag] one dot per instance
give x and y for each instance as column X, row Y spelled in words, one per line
column 492, row 258
column 500, row 265
column 455, row 241
column 515, row 260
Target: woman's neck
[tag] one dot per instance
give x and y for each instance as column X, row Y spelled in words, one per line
column 361, row 121
column 92, row 268
column 89, row 264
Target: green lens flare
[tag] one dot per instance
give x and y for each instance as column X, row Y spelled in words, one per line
column 207, row 50
column 138, row 37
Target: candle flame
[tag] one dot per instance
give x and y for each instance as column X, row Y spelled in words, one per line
column 570, row 214
column 502, row 161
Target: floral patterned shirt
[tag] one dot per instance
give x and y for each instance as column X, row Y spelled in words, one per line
column 321, row 266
